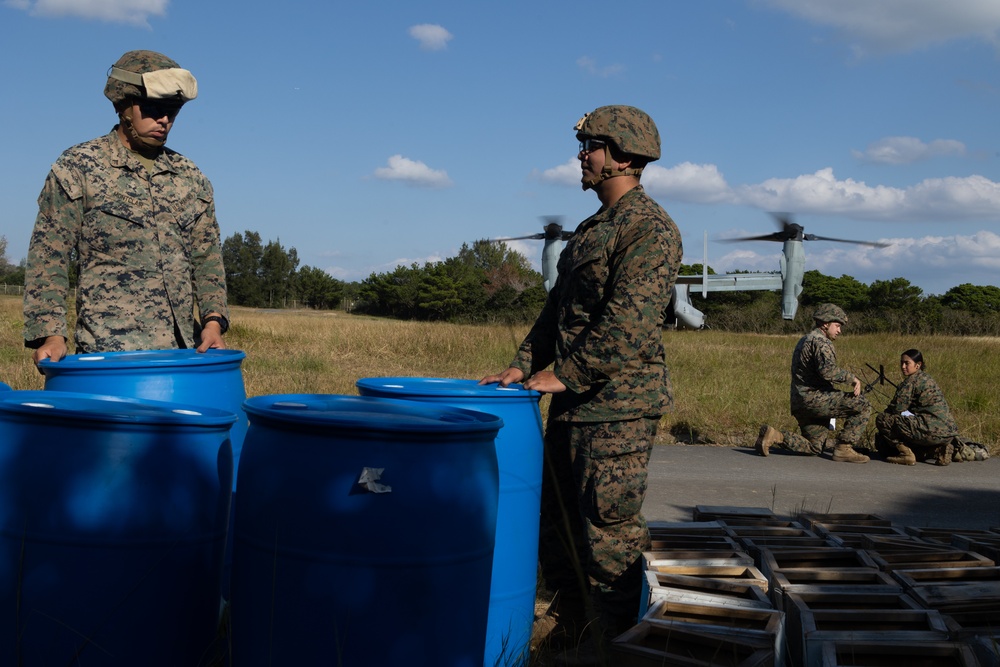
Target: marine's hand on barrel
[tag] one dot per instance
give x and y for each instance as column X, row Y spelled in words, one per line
column 545, row 382
column 507, row 377
column 211, row 337
column 53, row 348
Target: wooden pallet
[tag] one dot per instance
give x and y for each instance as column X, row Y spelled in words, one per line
column 764, row 624
column 817, row 558
column 922, row 559
column 650, row 645
column 854, row 580
column 701, row 590
column 848, row 653
column 903, row 625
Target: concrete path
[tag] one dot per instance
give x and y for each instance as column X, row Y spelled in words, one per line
column 961, row 495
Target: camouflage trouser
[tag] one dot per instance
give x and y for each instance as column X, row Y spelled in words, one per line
column 814, row 422
column 592, row 529
column 892, row 429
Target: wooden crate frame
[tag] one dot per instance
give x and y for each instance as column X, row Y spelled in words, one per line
column 904, row 654
column 640, row 646
column 700, row 590
column 765, row 624
column 883, row 625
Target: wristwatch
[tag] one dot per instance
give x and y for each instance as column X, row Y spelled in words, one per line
column 223, row 322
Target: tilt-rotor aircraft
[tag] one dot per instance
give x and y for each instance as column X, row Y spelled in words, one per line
column 788, row 279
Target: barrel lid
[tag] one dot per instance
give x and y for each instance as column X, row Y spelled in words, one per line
column 367, row 413
column 116, row 409
column 75, row 363
column 403, row 387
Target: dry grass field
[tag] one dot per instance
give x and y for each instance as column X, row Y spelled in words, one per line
column 725, row 384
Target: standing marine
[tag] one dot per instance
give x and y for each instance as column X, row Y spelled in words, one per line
column 597, row 348
column 814, row 399
column 136, row 220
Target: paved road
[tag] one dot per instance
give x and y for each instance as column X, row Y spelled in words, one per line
column 962, row 495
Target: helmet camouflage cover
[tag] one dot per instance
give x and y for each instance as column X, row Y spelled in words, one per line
column 828, row 312
column 148, row 74
column 631, row 130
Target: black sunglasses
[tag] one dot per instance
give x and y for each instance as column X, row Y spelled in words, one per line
column 158, row 108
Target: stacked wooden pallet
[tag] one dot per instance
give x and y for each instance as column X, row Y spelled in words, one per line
column 814, row 589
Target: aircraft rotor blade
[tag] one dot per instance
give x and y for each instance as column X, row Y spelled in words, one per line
column 872, row 244
column 777, row 236
column 535, row 237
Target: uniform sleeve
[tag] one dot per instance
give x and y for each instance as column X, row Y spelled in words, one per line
column 537, row 350
column 826, row 366
column 642, row 277
column 208, row 272
column 46, row 276
column 903, row 399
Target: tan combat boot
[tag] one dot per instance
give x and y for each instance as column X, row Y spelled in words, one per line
column 906, row 456
column 767, row 437
column 844, row 453
column 944, row 454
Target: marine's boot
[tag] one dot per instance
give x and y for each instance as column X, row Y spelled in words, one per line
column 906, row 456
column 844, row 453
column 944, row 454
column 768, row 436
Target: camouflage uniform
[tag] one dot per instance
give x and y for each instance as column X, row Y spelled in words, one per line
column 140, row 219
column 814, row 400
column 931, row 424
column 147, row 244
column 601, row 327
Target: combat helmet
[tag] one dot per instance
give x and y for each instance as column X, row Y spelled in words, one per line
column 150, row 75
column 630, row 130
column 829, row 312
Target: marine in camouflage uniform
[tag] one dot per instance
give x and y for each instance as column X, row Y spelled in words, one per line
column 601, row 332
column 140, row 220
column 929, row 427
column 814, row 399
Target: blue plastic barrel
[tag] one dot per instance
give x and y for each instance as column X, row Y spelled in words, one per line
column 4, row 387
column 113, row 516
column 519, row 453
column 364, row 533
column 212, row 378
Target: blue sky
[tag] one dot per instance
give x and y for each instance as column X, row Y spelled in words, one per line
column 372, row 134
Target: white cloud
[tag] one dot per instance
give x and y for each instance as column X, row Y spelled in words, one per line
column 412, row 172
column 900, row 25
column 133, row 12
column 695, row 183
column 906, row 150
column 953, row 198
column 568, row 173
column 589, row 65
column 948, row 199
column 432, row 37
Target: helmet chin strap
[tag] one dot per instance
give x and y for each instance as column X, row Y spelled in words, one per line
column 139, row 144
column 607, row 171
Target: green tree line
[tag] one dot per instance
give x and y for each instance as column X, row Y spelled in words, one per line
column 488, row 282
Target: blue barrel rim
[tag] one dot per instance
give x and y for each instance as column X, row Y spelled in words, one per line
column 369, row 414
column 136, row 359
column 103, row 408
column 434, row 387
